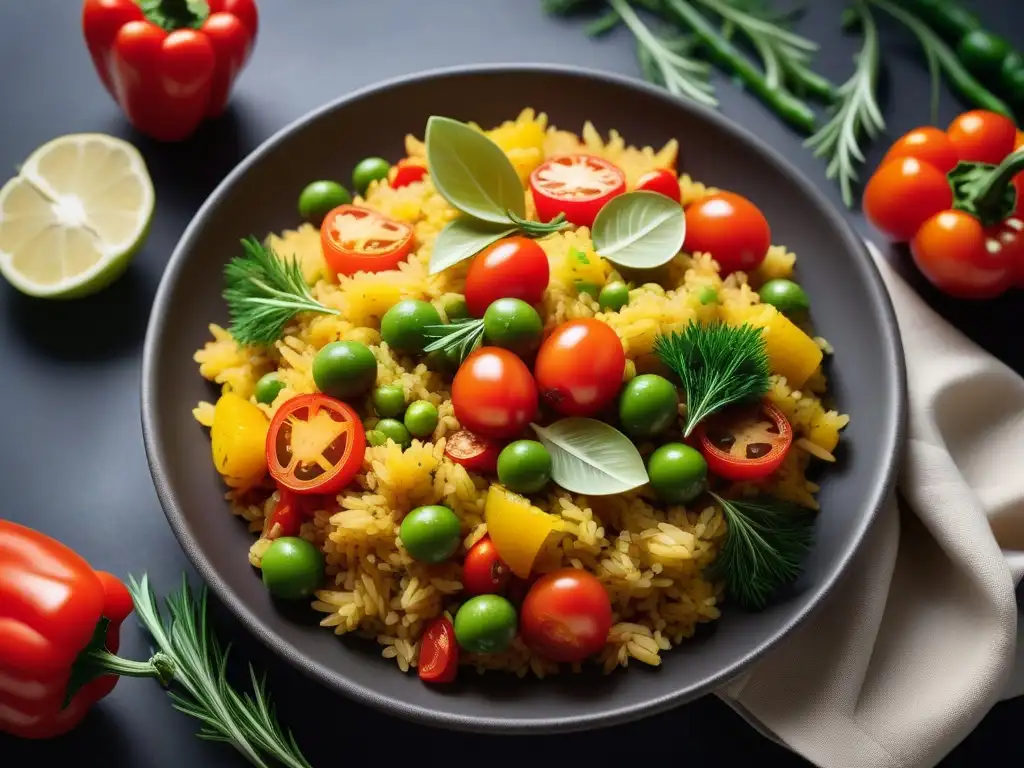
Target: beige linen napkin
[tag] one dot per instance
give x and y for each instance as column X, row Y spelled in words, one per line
column 919, row 640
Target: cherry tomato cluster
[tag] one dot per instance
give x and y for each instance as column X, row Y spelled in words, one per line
column 957, row 196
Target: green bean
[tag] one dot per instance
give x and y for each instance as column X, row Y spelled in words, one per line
column 950, row 19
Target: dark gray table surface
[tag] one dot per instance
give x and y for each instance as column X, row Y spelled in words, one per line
column 73, row 464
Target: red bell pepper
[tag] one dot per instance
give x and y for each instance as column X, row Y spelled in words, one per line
column 169, row 63
column 59, row 623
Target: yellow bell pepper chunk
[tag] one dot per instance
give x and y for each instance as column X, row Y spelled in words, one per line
column 517, row 528
column 791, row 352
column 238, row 441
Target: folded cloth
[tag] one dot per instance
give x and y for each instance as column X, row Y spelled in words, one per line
column 918, row 641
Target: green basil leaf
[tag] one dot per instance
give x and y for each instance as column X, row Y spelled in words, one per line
column 461, row 239
column 590, row 457
column 472, row 173
column 641, row 230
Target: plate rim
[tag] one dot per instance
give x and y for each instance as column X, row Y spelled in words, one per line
column 891, row 441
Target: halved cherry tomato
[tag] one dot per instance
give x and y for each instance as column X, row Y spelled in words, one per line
column 903, row 194
column 475, row 452
column 566, row 616
column 511, row 268
column 439, row 653
column 729, row 227
column 315, row 444
column 356, row 239
column 746, row 442
column 982, row 137
column 483, row 571
column 576, row 185
column 662, row 181
column 965, row 259
column 494, row 394
column 929, row 144
column 579, row 367
column 405, row 172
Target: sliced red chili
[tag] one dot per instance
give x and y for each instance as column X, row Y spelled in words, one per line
column 356, row 239
column 576, row 185
column 405, row 172
column 315, row 444
column 439, row 653
column 475, row 452
column 746, row 442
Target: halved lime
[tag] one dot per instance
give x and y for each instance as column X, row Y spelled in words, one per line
column 73, row 218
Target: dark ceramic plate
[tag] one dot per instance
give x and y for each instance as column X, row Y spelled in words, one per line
column 851, row 309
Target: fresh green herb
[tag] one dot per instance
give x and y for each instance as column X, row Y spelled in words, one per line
column 718, row 365
column 603, row 24
column 764, row 548
column 579, row 255
column 200, row 687
column 641, row 230
column 457, row 340
column 591, row 457
column 264, row 292
column 170, row 15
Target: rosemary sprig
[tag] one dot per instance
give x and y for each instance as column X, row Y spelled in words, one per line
column 457, row 340
column 718, row 365
column 764, row 548
column 264, row 292
column 856, row 113
column 200, row 688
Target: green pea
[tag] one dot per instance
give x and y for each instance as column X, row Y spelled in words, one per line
column 983, row 53
column 375, row 437
column 402, row 326
column 292, row 568
column 648, row 405
column 394, row 430
column 431, row 534
column 677, row 473
column 268, row 388
column 593, row 289
column 389, row 401
column 613, row 297
column 708, row 295
column 320, row 198
column 344, row 369
column 485, row 624
column 785, row 295
column 524, row 466
column 512, row 324
column 421, row 418
column 369, row 169
column 455, row 307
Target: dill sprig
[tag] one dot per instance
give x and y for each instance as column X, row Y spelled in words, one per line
column 457, row 341
column 718, row 365
column 264, row 292
column 764, row 548
column 200, row 688
column 857, row 112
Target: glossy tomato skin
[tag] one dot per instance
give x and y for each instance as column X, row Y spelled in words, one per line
column 579, row 367
column 729, row 227
column 475, row 452
column 981, row 136
column 566, row 616
column 662, row 181
column 439, row 652
column 579, row 204
column 928, row 144
column 903, row 194
column 724, row 464
column 964, row 259
column 1018, row 180
column 511, row 268
column 483, row 572
column 494, row 394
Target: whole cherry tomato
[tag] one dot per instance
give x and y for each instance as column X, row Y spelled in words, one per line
column 475, row 452
column 965, row 259
column 982, row 137
column 511, row 268
column 494, row 394
column 579, row 367
column 483, row 572
column 439, row 652
column 662, row 181
column 745, row 443
column 903, row 194
column 1018, row 180
column 729, row 227
column 576, row 185
column 566, row 616
column 928, row 143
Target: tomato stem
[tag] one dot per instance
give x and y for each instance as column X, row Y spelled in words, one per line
column 986, row 191
column 992, row 190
